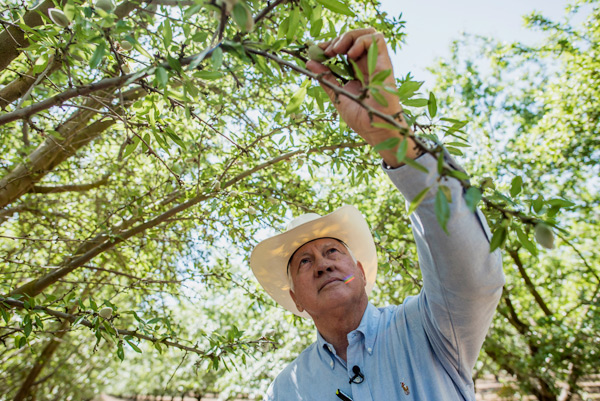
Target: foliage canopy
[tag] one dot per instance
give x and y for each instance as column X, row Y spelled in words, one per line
column 147, row 146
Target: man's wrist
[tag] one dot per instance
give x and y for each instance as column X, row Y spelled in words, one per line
column 389, row 155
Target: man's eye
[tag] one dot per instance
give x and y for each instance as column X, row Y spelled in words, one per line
column 332, row 250
column 303, row 261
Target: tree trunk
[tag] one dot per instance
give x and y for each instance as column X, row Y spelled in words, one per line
column 46, row 355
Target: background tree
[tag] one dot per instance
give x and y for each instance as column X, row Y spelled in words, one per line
column 534, row 118
column 148, row 146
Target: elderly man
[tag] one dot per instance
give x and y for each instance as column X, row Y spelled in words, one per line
column 324, row 267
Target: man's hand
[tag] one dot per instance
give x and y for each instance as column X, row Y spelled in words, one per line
column 355, row 45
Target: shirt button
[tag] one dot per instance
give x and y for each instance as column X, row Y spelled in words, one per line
column 370, row 350
column 331, row 364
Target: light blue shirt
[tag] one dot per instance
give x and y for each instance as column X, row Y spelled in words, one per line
column 425, row 348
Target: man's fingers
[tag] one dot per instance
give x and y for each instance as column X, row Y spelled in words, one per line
column 341, row 44
column 361, row 45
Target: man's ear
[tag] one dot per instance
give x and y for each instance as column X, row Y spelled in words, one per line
column 362, row 272
column 296, row 302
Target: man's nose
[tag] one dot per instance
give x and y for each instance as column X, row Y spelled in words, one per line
column 323, row 265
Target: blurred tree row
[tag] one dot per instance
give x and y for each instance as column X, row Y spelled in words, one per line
column 147, row 146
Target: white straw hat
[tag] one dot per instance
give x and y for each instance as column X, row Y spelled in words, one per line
column 270, row 257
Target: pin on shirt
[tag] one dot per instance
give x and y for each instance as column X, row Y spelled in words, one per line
column 349, row 278
column 405, row 388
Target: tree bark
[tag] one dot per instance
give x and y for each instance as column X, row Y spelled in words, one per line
column 76, row 134
column 13, row 37
column 17, row 88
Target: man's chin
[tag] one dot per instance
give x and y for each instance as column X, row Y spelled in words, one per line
column 330, row 285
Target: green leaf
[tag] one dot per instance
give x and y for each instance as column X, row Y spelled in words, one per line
column 472, row 198
column 560, row 203
column 416, row 102
column 162, row 77
column 440, row 163
column 296, row 100
column 120, row 353
column 208, row 75
column 174, row 64
column 217, row 58
column 175, row 137
column 442, row 209
column 447, row 192
column 40, row 64
column 130, row 148
column 414, row 204
column 408, row 89
column 380, row 77
column 538, row 203
column 372, row 55
column 388, row 144
column 454, row 151
column 357, row 72
column 516, row 185
column 416, row 165
column 27, row 325
column 385, row 126
column 5, row 314
column 240, row 15
column 379, row 97
column 191, row 11
column 432, row 105
column 402, row 149
column 158, row 347
column 459, row 175
column 294, row 22
column 526, row 242
column 498, row 238
column 315, row 28
column 98, row 55
column 133, row 346
column 167, row 33
column 336, row 7
column 70, row 10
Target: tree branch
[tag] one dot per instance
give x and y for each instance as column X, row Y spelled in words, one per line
column 17, row 88
column 121, row 332
column 13, row 37
column 53, row 151
column 39, row 189
column 514, row 254
column 109, row 240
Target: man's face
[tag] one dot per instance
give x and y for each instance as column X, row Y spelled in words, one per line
column 325, row 277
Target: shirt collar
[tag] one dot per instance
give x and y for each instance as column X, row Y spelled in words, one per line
column 367, row 327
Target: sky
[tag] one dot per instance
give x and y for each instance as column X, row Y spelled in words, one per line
column 432, row 25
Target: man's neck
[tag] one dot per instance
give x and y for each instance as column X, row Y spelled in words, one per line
column 334, row 327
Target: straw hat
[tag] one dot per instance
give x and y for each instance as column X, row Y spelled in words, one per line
column 269, row 258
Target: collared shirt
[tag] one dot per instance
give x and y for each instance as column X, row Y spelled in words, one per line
column 425, row 348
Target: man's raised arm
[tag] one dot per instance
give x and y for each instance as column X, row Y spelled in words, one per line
column 355, row 44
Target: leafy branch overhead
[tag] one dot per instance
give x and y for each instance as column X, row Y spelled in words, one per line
column 148, row 145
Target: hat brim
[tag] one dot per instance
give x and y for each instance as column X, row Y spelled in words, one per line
column 269, row 258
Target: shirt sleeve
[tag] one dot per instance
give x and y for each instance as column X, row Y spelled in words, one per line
column 462, row 280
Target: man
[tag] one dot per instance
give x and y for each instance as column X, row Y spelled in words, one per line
column 325, row 267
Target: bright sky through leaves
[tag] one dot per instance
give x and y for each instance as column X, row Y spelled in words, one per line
column 432, row 26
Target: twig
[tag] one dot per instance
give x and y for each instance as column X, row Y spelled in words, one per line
column 121, row 332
